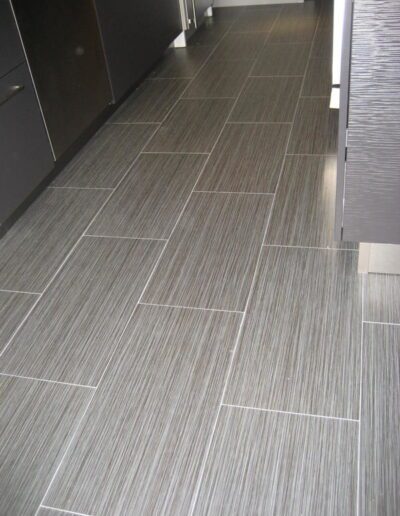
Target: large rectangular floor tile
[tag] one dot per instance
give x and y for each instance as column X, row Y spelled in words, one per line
column 210, row 32
column 256, row 19
column 304, row 208
column 220, row 79
column 227, row 13
column 247, row 158
column 279, row 464
column 315, row 128
column 13, row 308
column 182, row 62
column 300, row 349
column 293, row 28
column 143, row 440
column 38, row 422
column 107, row 157
column 309, row 8
column 382, row 298
column 72, row 331
column 192, row 126
column 149, row 200
column 318, row 80
column 210, row 259
column 240, row 45
column 322, row 46
column 34, row 248
column 268, row 99
column 380, row 414
column 282, row 59
column 151, row 101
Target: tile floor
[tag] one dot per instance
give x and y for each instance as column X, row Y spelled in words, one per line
column 179, row 332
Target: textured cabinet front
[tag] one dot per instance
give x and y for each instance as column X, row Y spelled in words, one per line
column 24, row 147
column 372, row 184
column 135, row 34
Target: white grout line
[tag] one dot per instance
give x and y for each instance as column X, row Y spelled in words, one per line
column 47, row 381
column 302, row 414
column 125, row 237
column 63, row 510
column 228, row 373
column 20, row 292
column 55, row 187
column 179, row 153
column 310, row 247
column 269, row 76
column 192, row 308
column 231, row 122
column 130, row 123
column 314, row 96
column 271, row 194
column 327, row 155
column 363, row 276
column 206, row 97
column 152, row 78
column 382, row 323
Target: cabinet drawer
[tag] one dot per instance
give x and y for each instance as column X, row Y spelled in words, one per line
column 25, row 151
column 11, row 54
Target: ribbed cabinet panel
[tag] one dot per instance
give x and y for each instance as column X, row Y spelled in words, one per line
column 372, row 190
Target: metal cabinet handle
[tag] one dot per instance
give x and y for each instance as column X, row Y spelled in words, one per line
column 11, row 92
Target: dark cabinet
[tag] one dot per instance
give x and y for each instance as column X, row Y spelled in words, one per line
column 135, row 34
column 11, row 53
column 25, row 152
column 65, row 54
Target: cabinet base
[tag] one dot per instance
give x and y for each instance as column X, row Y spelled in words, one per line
column 379, row 258
column 180, row 41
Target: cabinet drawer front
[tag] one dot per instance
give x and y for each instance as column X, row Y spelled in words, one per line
column 25, row 152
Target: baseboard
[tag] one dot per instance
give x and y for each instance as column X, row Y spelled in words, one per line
column 238, row 3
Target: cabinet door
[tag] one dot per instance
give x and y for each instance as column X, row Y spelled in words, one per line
column 63, row 45
column 25, row 152
column 135, row 35
column 372, row 178
column 11, row 53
